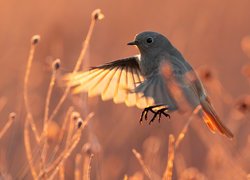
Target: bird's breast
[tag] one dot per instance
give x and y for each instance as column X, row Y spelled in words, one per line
column 149, row 65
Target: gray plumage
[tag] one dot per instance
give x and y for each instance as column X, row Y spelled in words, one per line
column 158, row 76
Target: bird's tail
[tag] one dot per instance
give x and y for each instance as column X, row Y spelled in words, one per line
column 212, row 120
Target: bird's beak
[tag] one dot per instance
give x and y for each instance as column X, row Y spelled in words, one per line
column 132, row 43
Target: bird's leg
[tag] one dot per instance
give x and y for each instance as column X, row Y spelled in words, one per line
column 157, row 112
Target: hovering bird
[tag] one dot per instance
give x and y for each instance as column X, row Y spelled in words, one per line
column 158, row 80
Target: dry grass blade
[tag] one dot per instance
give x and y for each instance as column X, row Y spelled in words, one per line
column 12, row 117
column 77, row 171
column 171, row 151
column 28, row 148
column 143, row 165
column 96, row 15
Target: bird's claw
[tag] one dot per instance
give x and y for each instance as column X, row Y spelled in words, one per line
column 157, row 112
column 145, row 113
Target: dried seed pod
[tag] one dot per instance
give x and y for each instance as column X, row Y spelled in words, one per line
column 75, row 115
column 87, row 148
column 97, row 14
column 12, row 115
column 35, row 39
column 79, row 123
column 243, row 104
column 206, row 73
column 56, row 64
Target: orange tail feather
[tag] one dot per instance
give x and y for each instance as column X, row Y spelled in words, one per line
column 212, row 120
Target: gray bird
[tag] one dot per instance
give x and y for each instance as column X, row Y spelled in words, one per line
column 158, row 80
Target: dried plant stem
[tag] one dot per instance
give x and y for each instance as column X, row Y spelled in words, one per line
column 143, row 165
column 171, row 151
column 64, row 156
column 55, row 166
column 70, row 132
column 63, row 129
column 185, row 128
column 125, row 177
column 87, row 167
column 7, row 125
column 46, row 113
column 34, row 42
column 26, row 77
column 46, row 121
column 77, row 66
column 28, row 148
column 77, row 171
column 61, row 172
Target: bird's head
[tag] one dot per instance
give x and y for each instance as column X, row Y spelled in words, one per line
column 151, row 43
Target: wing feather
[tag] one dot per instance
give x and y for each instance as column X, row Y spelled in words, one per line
column 115, row 80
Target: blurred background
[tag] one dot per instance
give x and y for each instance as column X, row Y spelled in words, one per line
column 214, row 36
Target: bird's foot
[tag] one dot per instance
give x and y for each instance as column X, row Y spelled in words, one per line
column 144, row 113
column 158, row 112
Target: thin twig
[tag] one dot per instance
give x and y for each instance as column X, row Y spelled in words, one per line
column 12, row 117
column 35, row 39
column 61, row 172
column 46, row 121
column 28, row 148
column 63, row 130
column 185, row 128
column 143, row 165
column 77, row 171
column 87, row 167
column 168, row 173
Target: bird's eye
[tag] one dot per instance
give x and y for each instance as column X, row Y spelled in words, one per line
column 149, row 40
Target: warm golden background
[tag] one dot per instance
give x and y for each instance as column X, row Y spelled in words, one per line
column 213, row 35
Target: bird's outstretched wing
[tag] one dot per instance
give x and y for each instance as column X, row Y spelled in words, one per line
column 114, row 80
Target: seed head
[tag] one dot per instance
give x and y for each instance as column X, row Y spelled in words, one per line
column 56, row 64
column 206, row 73
column 75, row 115
column 243, row 104
column 12, row 115
column 35, row 39
column 79, row 123
column 97, row 14
column 87, row 148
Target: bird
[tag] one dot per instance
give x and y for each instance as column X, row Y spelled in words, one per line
column 158, row 80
